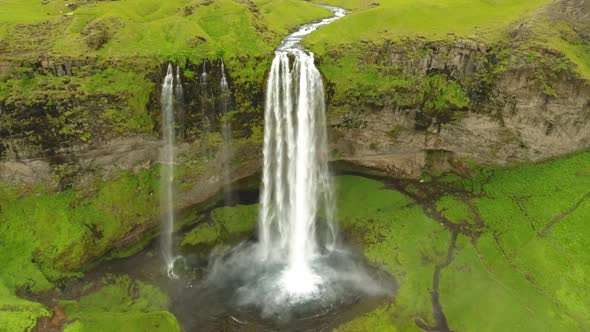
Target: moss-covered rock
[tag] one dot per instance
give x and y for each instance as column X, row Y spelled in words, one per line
column 17, row 314
column 121, row 304
column 227, row 225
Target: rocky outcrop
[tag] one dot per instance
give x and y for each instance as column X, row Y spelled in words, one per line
column 520, row 109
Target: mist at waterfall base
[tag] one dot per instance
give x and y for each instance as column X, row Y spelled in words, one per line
column 297, row 267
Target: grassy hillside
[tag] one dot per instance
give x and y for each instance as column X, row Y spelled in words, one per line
column 535, row 23
column 396, row 19
column 127, row 28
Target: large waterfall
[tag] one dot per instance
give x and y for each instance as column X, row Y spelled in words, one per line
column 295, row 266
column 296, row 182
column 167, row 166
column 172, row 100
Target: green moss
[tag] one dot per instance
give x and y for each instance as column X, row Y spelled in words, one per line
column 115, row 98
column 524, row 269
column 537, row 214
column 481, row 291
column 395, row 234
column 17, row 314
column 441, row 97
column 46, row 235
column 204, row 234
column 357, row 85
column 227, row 225
column 454, row 209
column 121, row 304
column 379, row 320
column 360, row 80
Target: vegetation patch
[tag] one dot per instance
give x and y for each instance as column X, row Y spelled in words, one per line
column 121, row 304
column 17, row 314
column 434, row 20
column 46, row 236
column 226, row 225
column 137, row 28
column 518, row 262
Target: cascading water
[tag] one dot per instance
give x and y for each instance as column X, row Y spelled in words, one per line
column 206, row 123
column 226, row 133
column 167, row 168
column 296, row 181
column 178, row 93
column 293, row 268
column 172, row 99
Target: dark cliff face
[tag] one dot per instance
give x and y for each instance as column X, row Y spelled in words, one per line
column 486, row 103
column 520, row 106
column 100, row 118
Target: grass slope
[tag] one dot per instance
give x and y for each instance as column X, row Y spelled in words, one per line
column 394, row 233
column 46, row 236
column 398, row 19
column 128, row 28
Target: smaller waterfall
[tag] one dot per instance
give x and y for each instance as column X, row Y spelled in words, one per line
column 226, row 133
column 180, row 115
column 204, row 74
column 167, row 169
column 206, row 123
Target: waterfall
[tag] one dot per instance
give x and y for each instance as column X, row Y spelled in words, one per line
column 167, row 168
column 179, row 103
column 296, row 180
column 206, row 123
column 226, row 133
column 203, row 76
column 295, row 264
column 172, row 99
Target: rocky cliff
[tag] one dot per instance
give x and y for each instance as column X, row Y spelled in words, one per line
column 518, row 106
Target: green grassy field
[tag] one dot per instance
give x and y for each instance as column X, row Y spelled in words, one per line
column 483, row 21
column 168, row 29
column 524, row 267
column 398, row 19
